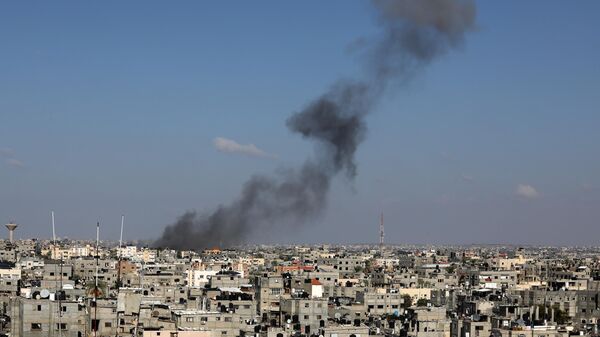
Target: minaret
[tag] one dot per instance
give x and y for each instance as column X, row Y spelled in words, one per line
column 11, row 230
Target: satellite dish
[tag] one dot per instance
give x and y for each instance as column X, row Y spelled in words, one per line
column 44, row 293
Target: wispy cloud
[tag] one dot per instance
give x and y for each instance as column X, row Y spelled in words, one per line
column 467, row 177
column 447, row 156
column 587, row 187
column 527, row 191
column 231, row 146
column 15, row 163
column 6, row 152
column 9, row 158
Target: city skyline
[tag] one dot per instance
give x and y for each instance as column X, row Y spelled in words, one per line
column 103, row 115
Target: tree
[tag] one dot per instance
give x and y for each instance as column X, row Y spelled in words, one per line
column 406, row 301
column 560, row 316
column 422, row 302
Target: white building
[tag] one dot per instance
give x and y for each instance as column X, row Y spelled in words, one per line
column 199, row 278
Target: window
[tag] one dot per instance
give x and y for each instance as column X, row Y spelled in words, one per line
column 190, row 319
column 227, row 319
column 305, row 316
column 36, row 326
column 107, row 324
column 306, row 305
column 61, row 326
column 39, row 307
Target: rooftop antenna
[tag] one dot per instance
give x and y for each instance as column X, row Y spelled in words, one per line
column 381, row 232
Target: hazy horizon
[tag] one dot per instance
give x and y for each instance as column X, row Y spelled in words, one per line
column 151, row 110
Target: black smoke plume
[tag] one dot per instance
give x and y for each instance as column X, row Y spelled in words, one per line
column 413, row 34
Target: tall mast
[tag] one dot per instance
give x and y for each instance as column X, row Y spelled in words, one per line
column 96, row 281
column 53, row 234
column 97, row 256
column 381, row 232
column 119, row 254
column 121, row 237
column 59, row 287
column 119, row 271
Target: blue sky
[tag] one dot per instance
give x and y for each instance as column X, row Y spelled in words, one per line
column 110, row 108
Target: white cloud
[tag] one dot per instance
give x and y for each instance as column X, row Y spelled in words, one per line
column 527, row 191
column 447, row 156
column 231, row 146
column 15, row 163
column 6, row 152
column 10, row 159
column 467, row 177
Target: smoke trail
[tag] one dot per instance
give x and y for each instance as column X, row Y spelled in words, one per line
column 413, row 34
column 295, row 197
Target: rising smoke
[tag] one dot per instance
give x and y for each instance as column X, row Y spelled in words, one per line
column 413, row 33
